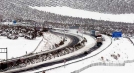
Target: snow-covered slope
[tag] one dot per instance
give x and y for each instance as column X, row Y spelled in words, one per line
column 48, row 42
column 67, row 11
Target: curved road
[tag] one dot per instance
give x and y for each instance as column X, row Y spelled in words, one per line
column 81, row 55
column 74, row 39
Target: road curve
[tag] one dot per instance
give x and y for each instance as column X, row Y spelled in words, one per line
column 74, row 39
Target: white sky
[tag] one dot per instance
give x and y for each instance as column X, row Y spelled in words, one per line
column 67, row 11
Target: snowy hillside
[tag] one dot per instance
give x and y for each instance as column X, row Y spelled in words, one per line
column 67, row 11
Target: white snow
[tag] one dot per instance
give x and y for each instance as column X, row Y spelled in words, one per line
column 132, row 38
column 117, row 47
column 71, row 67
column 112, row 69
column 90, row 43
column 18, row 47
column 48, row 42
column 67, row 11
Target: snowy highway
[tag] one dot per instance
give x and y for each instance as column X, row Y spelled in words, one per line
column 70, row 65
column 66, row 36
column 74, row 40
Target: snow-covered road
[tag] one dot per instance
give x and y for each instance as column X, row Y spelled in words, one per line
column 72, row 66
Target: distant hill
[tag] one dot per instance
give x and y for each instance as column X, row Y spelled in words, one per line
column 105, row 6
column 19, row 9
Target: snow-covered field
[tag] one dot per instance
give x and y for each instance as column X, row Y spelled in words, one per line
column 122, row 47
column 67, row 11
column 18, row 47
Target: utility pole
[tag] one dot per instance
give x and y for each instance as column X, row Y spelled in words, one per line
column 64, row 32
column 81, row 28
column 6, row 54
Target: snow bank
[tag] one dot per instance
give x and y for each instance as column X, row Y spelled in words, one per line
column 67, row 11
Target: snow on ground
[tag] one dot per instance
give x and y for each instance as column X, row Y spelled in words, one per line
column 48, row 41
column 112, row 69
column 90, row 43
column 49, row 37
column 117, row 47
column 67, row 11
column 71, row 67
column 132, row 38
column 44, row 46
column 123, row 47
column 17, row 48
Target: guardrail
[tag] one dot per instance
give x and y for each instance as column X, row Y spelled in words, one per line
column 14, row 67
column 71, row 62
column 28, row 55
column 105, row 64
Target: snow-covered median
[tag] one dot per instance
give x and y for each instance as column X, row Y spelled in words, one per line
column 49, row 40
column 67, row 11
